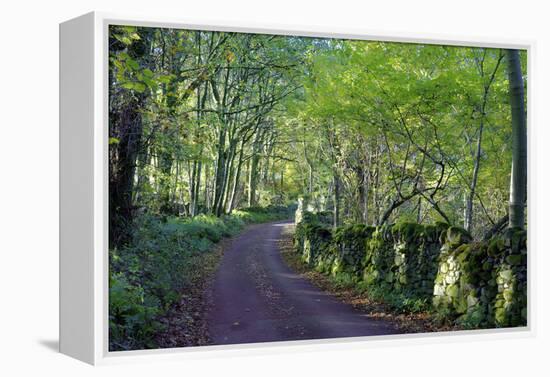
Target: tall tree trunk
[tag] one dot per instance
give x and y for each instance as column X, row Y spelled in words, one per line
column 364, row 196
column 227, row 177
column 468, row 223
column 220, row 170
column 196, row 191
column 126, row 125
column 336, row 199
column 236, row 179
column 375, row 189
column 176, row 180
column 310, row 180
column 253, row 173
column 518, row 181
column 207, row 200
column 472, row 190
column 192, row 171
column 129, row 128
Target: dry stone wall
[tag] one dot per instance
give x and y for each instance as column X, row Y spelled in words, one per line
column 483, row 284
column 477, row 284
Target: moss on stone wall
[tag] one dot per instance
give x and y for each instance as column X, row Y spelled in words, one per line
column 350, row 244
column 400, row 257
column 511, row 278
column 416, row 248
column 483, row 284
column 379, row 258
column 477, row 284
column 313, row 241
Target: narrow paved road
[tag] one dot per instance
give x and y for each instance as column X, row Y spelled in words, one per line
column 257, row 298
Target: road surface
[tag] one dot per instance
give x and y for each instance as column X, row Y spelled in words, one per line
column 257, row 298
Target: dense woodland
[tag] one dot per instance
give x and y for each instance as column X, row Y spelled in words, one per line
column 206, row 123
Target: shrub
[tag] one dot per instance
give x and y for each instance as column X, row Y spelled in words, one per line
column 131, row 318
column 148, row 275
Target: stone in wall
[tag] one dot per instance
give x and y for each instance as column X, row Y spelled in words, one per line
column 482, row 284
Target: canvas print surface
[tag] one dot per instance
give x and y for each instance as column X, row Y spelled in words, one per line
column 269, row 188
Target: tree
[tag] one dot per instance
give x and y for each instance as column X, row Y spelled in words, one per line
column 518, row 180
column 129, row 93
column 376, row 132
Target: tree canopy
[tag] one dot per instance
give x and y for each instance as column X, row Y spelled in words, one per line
column 375, row 132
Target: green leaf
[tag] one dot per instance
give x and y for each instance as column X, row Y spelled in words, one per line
column 139, row 87
column 134, row 85
column 132, row 63
column 165, row 79
column 150, row 83
column 148, row 73
column 124, row 39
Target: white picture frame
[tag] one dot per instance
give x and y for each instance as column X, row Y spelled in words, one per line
column 84, row 191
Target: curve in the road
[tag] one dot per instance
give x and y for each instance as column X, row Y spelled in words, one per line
column 257, row 298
